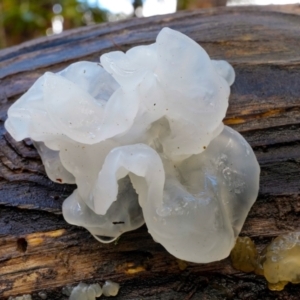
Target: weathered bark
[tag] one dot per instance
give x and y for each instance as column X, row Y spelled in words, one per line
column 40, row 252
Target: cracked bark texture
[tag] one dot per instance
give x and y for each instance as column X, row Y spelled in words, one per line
column 39, row 251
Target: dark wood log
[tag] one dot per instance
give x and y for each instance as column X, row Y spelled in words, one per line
column 39, row 251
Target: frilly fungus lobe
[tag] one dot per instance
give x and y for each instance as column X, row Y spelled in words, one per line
column 141, row 135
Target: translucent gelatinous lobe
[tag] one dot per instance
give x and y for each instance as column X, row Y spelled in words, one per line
column 143, row 139
column 282, row 261
column 86, row 292
column 196, row 189
column 244, row 255
column 110, row 288
column 279, row 262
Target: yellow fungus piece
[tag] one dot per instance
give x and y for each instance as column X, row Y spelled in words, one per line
column 279, row 286
column 282, row 261
column 244, row 255
column 279, row 262
column 182, row 265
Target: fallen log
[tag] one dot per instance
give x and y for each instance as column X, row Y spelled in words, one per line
column 40, row 252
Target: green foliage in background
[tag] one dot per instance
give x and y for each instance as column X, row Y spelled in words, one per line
column 22, row 20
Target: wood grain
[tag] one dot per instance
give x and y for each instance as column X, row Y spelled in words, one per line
column 39, row 251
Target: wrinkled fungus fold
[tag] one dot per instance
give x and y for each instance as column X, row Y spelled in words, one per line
column 141, row 135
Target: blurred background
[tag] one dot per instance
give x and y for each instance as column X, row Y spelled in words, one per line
column 22, row 20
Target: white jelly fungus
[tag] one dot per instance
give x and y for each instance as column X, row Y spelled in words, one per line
column 85, row 292
column 110, row 288
column 23, row 297
column 141, row 135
